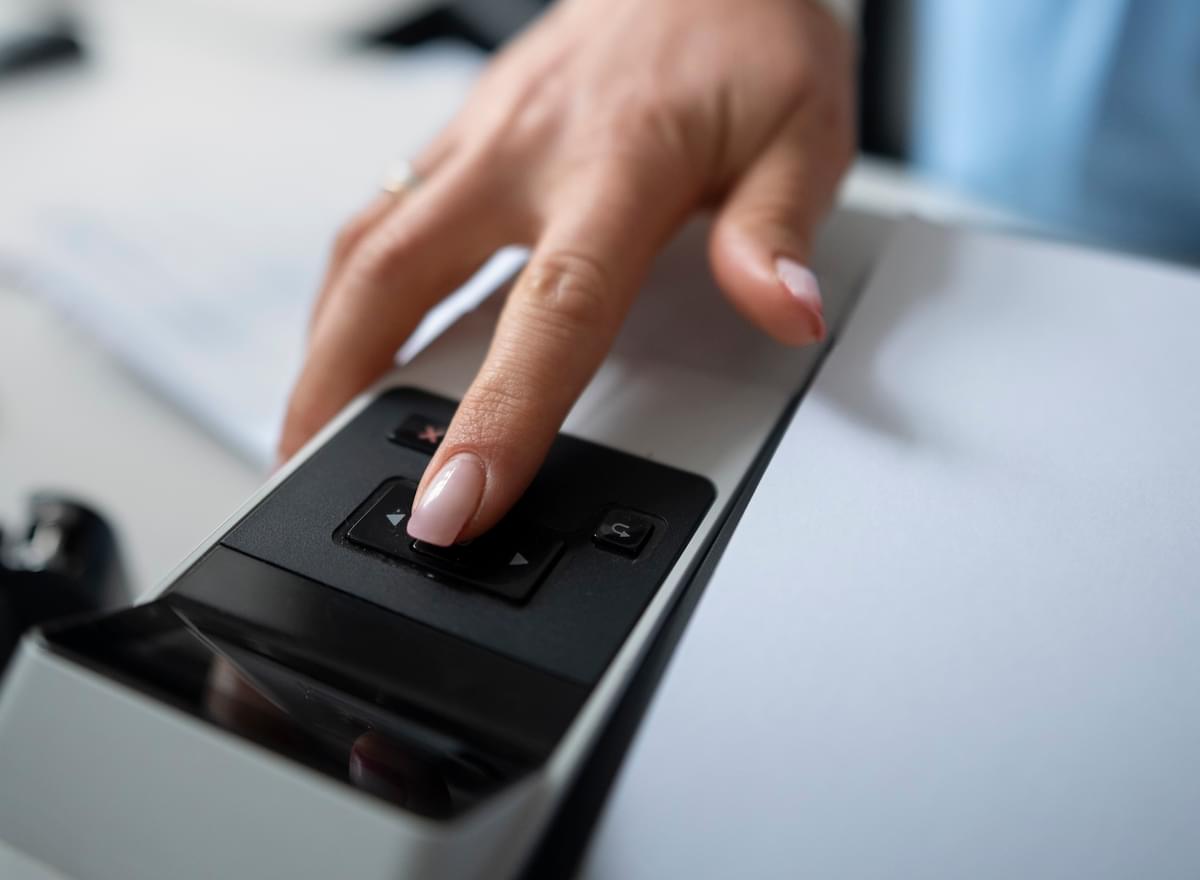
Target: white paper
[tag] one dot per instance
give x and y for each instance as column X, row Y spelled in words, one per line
column 181, row 208
column 955, row 633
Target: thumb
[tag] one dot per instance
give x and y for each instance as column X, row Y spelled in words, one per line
column 760, row 243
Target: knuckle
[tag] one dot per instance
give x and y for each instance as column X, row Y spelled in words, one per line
column 635, row 139
column 569, row 291
column 660, row 136
column 382, row 253
column 641, row 113
column 798, row 80
column 529, row 122
column 520, row 115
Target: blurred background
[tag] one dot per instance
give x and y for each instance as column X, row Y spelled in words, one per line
column 172, row 173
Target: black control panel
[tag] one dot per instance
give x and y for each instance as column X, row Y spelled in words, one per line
column 428, row 676
column 557, row 584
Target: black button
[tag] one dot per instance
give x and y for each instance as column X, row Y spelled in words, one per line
column 420, row 433
column 624, row 531
column 385, row 526
column 509, row 561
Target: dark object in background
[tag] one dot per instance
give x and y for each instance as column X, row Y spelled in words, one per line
column 486, row 24
column 885, row 78
column 38, row 45
column 65, row 562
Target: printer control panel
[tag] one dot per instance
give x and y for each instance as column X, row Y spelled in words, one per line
column 557, row 584
column 428, row 676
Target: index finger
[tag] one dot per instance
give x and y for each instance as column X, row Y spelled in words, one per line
column 553, row 333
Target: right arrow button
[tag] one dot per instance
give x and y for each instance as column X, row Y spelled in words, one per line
column 510, row 560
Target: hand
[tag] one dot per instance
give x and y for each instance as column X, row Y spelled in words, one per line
column 594, row 136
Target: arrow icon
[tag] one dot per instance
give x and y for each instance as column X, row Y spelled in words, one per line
column 518, row 559
column 396, row 518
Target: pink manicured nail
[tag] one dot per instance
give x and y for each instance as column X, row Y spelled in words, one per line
column 802, row 284
column 449, row 502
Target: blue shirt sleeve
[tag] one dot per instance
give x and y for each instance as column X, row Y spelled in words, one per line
column 1082, row 113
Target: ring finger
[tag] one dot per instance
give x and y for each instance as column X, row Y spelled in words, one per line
column 412, row 256
column 395, row 187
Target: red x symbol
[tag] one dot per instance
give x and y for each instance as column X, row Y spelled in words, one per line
column 431, row 434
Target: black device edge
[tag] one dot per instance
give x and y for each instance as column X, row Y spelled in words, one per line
column 514, row 690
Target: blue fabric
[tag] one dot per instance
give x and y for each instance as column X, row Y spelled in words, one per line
column 1083, row 113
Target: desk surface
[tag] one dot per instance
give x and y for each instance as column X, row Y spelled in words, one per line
column 954, row 634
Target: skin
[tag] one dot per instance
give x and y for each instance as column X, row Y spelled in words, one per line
column 593, row 137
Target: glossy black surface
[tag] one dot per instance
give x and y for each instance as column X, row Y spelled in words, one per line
column 421, row 719
column 571, row 625
column 509, row 706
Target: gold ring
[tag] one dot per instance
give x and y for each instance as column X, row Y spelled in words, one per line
column 400, row 177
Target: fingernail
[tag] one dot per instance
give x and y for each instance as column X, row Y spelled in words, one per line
column 449, row 502
column 802, row 284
